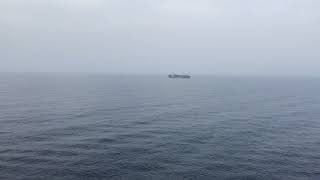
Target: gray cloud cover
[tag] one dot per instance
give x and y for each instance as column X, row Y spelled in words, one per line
column 238, row 37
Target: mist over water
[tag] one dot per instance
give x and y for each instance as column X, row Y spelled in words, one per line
column 63, row 124
column 59, row 126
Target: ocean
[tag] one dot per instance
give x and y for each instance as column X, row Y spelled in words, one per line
column 95, row 126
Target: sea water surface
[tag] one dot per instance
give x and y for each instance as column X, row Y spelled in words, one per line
column 78, row 126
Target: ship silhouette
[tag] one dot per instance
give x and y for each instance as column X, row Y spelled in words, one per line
column 181, row 76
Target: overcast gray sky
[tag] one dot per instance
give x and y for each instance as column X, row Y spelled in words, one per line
column 238, row 37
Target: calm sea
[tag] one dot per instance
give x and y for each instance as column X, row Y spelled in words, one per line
column 73, row 126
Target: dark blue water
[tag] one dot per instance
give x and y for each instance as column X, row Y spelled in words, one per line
column 73, row 126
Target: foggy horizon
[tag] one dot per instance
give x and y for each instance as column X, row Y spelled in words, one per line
column 160, row 89
column 247, row 38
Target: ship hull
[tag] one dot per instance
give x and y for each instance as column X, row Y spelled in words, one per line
column 173, row 76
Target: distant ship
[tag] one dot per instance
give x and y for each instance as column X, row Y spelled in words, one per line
column 182, row 76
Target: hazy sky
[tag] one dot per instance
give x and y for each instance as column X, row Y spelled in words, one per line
column 238, row 37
